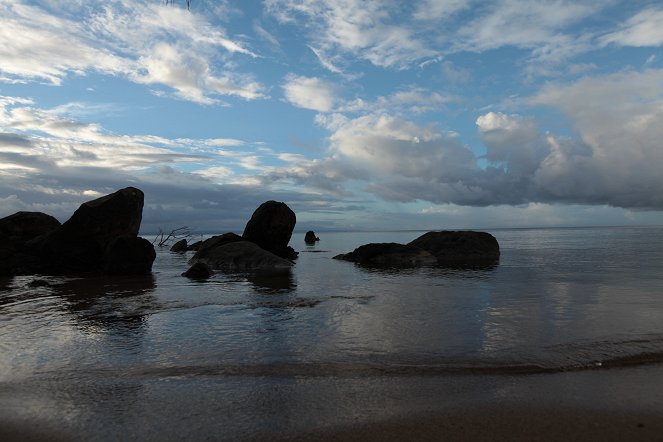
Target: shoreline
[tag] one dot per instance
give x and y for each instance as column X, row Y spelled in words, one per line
column 611, row 404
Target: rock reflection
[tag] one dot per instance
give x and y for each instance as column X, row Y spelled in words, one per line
column 121, row 303
column 273, row 282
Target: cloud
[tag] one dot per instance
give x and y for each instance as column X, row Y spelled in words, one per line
column 362, row 28
column 613, row 157
column 145, row 43
column 643, row 29
column 309, row 93
column 52, row 163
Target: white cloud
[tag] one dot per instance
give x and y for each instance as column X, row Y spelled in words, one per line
column 143, row 42
column 643, row 29
column 363, row 28
column 310, row 93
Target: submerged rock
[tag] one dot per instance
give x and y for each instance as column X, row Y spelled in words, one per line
column 445, row 248
column 270, row 227
column 460, row 247
column 310, row 237
column 242, row 256
column 389, row 254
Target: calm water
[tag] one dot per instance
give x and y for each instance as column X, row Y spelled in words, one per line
column 559, row 299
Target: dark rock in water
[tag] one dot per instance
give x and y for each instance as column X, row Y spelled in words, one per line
column 460, row 248
column 310, row 237
column 82, row 245
column 15, row 231
column 195, row 246
column 24, row 226
column 270, row 227
column 199, row 270
column 180, row 246
column 207, row 246
column 390, row 255
column 242, row 256
column 129, row 255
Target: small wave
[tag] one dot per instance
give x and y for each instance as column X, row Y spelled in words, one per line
column 315, row 369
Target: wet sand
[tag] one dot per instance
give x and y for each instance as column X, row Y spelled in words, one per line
column 616, row 404
column 503, row 423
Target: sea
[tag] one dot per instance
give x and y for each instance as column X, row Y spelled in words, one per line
column 241, row 356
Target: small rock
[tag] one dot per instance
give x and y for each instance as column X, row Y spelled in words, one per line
column 199, row 270
column 180, row 246
column 310, row 237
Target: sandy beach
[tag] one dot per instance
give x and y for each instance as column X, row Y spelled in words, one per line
column 594, row 405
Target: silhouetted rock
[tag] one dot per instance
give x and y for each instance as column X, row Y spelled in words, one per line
column 270, row 227
column 199, row 270
column 460, row 248
column 389, row 255
column 24, row 226
column 129, row 255
column 207, row 246
column 195, row 246
column 242, row 256
column 82, row 245
column 15, row 231
column 310, row 237
column 180, row 246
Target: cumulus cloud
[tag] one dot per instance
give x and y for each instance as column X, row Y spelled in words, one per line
column 613, row 157
column 309, row 93
column 140, row 41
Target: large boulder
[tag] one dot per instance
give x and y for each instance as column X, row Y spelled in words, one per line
column 460, row 248
column 80, row 244
column 270, row 227
column 129, row 255
column 100, row 237
column 24, row 226
column 241, row 256
column 389, row 255
column 15, row 231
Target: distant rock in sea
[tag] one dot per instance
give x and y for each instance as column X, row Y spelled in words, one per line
column 310, row 237
column 100, row 237
column 389, row 254
column 445, row 248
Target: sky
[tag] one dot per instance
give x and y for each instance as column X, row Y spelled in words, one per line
column 359, row 114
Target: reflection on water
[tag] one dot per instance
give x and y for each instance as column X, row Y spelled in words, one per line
column 551, row 290
column 241, row 345
column 273, row 282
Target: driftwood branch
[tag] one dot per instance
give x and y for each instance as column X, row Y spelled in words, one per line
column 162, row 239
